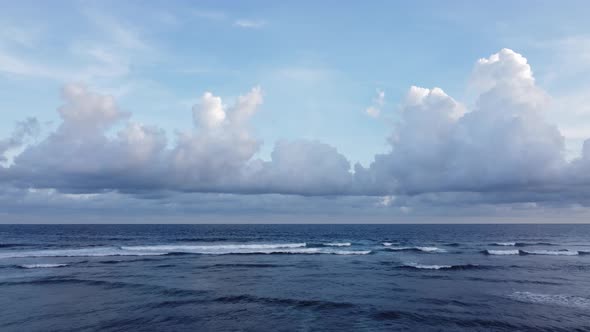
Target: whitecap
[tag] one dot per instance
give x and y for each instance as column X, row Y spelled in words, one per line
column 221, row 249
column 351, row 252
column 387, row 244
column 429, row 267
column 430, row 249
column 551, row 252
column 421, row 249
column 505, row 244
column 41, row 266
column 81, row 252
column 250, row 246
column 502, row 252
column 337, row 244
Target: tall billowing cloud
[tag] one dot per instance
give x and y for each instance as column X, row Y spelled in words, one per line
column 502, row 144
column 499, row 150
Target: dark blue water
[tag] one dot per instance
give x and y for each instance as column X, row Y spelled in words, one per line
column 295, row 277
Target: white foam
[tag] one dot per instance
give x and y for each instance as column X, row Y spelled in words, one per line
column 221, row 249
column 552, row 252
column 41, row 266
column 338, row 244
column 555, row 299
column 214, row 249
column 502, row 252
column 351, row 252
column 429, row 267
column 505, row 244
column 430, row 249
column 387, row 244
column 180, row 248
column 423, row 249
column 83, row 252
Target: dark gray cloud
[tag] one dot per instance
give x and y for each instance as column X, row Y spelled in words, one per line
column 24, row 130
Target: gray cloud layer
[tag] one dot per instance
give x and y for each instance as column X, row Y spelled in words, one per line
column 502, row 150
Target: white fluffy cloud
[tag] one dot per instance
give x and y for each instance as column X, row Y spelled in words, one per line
column 502, row 144
column 500, row 150
column 87, row 153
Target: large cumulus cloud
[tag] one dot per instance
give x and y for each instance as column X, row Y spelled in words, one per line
column 98, row 148
column 499, row 150
column 502, row 144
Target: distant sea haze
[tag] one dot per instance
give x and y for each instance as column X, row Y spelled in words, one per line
column 294, row 277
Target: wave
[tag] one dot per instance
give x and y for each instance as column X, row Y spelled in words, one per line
column 521, row 244
column 441, row 267
column 387, row 244
column 84, row 252
column 41, row 266
column 337, row 244
column 170, row 248
column 550, row 252
column 534, row 252
column 225, row 249
column 552, row 299
column 173, row 250
column 418, row 249
column 501, row 252
column 351, row 252
column 276, row 248
column 504, row 244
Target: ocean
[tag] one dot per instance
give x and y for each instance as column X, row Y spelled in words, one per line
column 294, row 277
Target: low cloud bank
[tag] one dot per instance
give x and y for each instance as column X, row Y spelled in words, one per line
column 500, row 150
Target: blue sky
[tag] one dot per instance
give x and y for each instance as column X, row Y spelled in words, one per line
column 319, row 66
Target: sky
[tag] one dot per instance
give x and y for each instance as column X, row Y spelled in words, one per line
column 294, row 111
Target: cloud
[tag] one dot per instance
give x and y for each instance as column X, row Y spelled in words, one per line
column 82, row 155
column 23, row 130
column 503, row 144
column 375, row 110
column 302, row 167
column 249, row 24
column 500, row 151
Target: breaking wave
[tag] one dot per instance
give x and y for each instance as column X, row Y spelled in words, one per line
column 85, row 252
column 550, row 252
column 504, row 244
column 534, row 252
column 159, row 250
column 521, row 244
column 337, row 244
column 351, row 252
column 418, row 249
column 41, row 266
column 501, row 252
column 440, row 267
